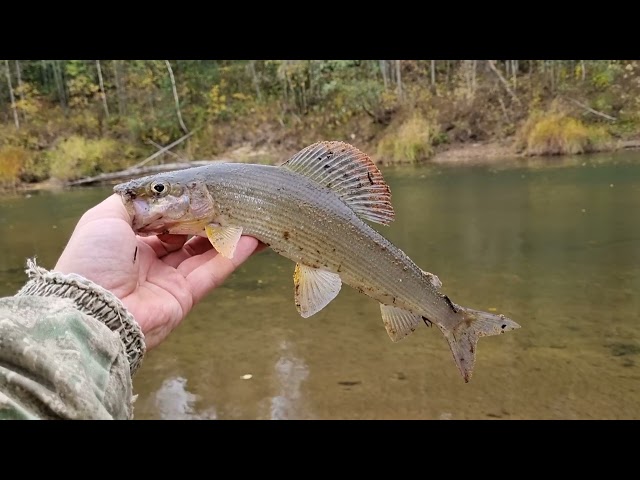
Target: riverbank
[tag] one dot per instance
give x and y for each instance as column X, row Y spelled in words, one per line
column 460, row 154
column 477, row 154
column 93, row 119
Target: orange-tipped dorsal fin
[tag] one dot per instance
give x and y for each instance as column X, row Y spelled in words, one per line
column 349, row 173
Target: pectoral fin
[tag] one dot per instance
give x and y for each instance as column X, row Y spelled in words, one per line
column 224, row 239
column 398, row 322
column 314, row 289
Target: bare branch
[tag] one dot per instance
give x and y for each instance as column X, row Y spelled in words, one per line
column 175, row 97
column 504, row 110
column 398, row 79
column 589, row 109
column 13, row 99
column 433, row 73
column 134, row 172
column 368, row 112
column 163, row 150
column 102, row 92
column 255, row 79
column 20, row 87
column 383, row 70
column 160, row 147
column 504, row 82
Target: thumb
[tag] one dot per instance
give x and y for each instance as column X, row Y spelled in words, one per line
column 110, row 208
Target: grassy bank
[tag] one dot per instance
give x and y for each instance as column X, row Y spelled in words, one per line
column 61, row 121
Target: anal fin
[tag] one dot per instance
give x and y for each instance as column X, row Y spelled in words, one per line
column 314, row 288
column 224, row 239
column 398, row 322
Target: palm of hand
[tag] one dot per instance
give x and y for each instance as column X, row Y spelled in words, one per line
column 158, row 279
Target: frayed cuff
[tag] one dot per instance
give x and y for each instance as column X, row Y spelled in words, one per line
column 90, row 299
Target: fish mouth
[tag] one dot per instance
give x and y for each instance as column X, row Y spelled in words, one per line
column 142, row 215
column 128, row 196
column 127, row 193
column 147, row 220
column 167, row 215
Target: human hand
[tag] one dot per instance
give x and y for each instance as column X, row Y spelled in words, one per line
column 159, row 279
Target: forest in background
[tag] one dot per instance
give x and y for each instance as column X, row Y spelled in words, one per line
column 68, row 119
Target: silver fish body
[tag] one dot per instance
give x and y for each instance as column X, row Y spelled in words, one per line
column 309, row 210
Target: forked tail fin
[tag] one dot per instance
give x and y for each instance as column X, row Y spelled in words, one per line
column 464, row 337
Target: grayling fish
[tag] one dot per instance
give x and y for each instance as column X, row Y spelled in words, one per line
column 311, row 210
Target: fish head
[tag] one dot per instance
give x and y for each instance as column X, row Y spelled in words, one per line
column 166, row 203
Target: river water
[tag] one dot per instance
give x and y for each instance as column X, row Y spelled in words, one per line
column 552, row 243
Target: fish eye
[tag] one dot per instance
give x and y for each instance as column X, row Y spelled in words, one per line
column 160, row 188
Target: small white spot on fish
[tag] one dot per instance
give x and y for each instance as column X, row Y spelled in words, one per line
column 611, row 185
column 584, row 210
column 247, row 376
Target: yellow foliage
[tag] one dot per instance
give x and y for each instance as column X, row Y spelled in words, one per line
column 217, row 101
column 159, row 136
column 84, row 122
column 412, row 142
column 77, row 157
column 559, row 134
column 241, row 96
column 81, row 90
column 12, row 161
column 28, row 99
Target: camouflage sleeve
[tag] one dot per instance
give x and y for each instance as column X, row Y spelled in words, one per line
column 68, row 350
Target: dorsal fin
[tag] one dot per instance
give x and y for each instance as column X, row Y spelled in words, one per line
column 349, row 173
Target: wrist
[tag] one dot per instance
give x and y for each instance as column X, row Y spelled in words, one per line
column 92, row 299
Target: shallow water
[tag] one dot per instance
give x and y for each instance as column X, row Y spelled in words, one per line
column 552, row 243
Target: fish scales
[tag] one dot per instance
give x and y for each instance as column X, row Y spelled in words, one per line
column 310, row 225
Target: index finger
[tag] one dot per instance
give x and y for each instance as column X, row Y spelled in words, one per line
column 213, row 271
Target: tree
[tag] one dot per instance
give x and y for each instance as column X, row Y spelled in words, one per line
column 122, row 103
column 102, row 92
column 20, row 86
column 175, row 96
column 57, row 75
column 255, row 79
column 398, row 79
column 11, row 96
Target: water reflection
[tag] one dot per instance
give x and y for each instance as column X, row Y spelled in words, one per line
column 291, row 372
column 174, row 402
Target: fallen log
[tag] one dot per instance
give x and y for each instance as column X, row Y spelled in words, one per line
column 135, row 172
column 630, row 144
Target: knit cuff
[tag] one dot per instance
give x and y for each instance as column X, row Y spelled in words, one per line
column 90, row 299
